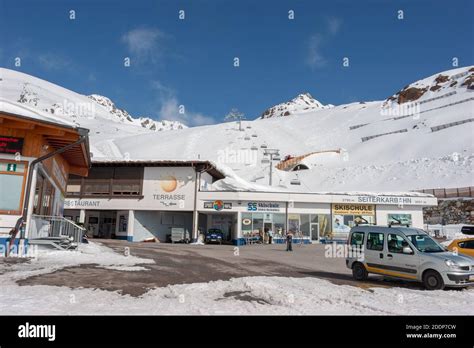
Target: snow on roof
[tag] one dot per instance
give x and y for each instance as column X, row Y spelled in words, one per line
column 24, row 111
column 216, row 170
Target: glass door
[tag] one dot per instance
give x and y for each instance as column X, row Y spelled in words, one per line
column 314, row 232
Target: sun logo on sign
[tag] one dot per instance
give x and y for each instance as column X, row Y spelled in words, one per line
column 218, row 205
column 168, row 183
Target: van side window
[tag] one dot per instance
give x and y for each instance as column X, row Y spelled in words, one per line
column 396, row 243
column 357, row 238
column 375, row 241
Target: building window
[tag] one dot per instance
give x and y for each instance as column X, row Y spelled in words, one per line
column 257, row 224
column 12, row 185
column 44, row 196
column 107, row 181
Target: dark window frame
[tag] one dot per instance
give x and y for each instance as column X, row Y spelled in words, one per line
column 110, row 183
column 372, row 248
column 352, row 238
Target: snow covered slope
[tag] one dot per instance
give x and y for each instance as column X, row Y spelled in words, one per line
column 421, row 137
column 383, row 144
column 301, row 104
column 104, row 119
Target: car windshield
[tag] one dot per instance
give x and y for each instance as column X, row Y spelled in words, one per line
column 425, row 243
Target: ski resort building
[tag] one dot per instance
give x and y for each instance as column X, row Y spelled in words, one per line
column 143, row 200
column 37, row 155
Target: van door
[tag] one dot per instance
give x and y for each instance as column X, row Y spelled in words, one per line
column 398, row 263
column 374, row 252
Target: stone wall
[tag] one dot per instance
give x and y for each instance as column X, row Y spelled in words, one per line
column 450, row 211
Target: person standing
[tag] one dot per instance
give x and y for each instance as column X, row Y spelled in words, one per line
column 270, row 236
column 289, row 241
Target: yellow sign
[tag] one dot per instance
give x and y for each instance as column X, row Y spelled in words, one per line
column 353, row 209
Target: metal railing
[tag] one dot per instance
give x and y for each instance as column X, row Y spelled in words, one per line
column 42, row 226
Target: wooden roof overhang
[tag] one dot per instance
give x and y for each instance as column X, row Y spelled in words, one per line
column 57, row 136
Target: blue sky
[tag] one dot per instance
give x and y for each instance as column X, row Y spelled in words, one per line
column 190, row 62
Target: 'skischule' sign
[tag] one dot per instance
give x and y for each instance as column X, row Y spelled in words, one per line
column 353, row 209
column 11, row 145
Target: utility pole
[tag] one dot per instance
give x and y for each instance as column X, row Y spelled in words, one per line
column 235, row 115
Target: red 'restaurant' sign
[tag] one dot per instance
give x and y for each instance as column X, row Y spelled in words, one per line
column 11, row 145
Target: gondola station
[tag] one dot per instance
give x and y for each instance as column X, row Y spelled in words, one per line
column 148, row 200
column 53, row 194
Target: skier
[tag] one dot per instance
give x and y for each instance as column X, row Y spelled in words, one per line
column 289, row 241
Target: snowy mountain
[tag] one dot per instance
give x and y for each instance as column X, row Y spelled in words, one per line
column 99, row 114
column 436, row 86
column 144, row 122
column 421, row 137
column 301, row 104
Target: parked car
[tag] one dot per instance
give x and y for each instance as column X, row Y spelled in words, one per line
column 406, row 253
column 214, row 235
column 463, row 246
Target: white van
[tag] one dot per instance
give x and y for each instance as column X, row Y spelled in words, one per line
column 406, row 253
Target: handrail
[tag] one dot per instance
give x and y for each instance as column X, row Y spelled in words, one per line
column 43, row 226
column 63, row 218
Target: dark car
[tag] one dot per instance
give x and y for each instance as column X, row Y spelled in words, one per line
column 214, row 235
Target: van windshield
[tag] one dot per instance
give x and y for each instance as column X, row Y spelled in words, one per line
column 425, row 243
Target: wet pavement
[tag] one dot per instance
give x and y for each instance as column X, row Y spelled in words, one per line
column 186, row 264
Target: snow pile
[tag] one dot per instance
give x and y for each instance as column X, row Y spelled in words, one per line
column 47, row 261
column 249, row 295
column 301, row 104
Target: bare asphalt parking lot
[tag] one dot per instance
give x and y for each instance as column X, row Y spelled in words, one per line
column 185, row 264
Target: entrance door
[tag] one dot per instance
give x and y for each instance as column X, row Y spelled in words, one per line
column 107, row 224
column 314, row 232
column 267, row 227
column 92, row 223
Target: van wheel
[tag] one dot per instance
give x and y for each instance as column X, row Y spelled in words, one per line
column 359, row 272
column 432, row 280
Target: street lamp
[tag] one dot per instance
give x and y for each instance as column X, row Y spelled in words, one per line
column 274, row 154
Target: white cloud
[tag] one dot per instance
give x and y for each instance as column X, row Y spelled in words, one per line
column 316, row 42
column 52, row 61
column 144, row 43
column 171, row 109
column 334, row 25
column 315, row 58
